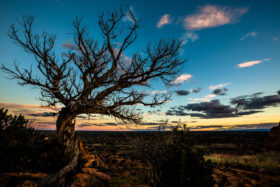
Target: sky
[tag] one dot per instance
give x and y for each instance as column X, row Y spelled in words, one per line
column 230, row 80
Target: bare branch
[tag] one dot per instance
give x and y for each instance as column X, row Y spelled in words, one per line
column 97, row 78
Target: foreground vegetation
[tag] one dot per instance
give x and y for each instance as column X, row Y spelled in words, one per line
column 262, row 162
column 239, row 158
column 171, row 161
column 176, row 158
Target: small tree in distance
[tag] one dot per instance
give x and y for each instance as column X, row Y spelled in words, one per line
column 94, row 78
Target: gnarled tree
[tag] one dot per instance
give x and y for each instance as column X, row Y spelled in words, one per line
column 92, row 77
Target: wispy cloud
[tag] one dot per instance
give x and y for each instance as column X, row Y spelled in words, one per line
column 189, row 36
column 127, row 17
column 213, row 87
column 186, row 38
column 195, row 90
column 165, row 19
column 250, row 34
column 251, row 63
column 206, row 98
column 69, row 45
column 182, row 78
column 212, row 16
column 275, row 38
column 157, row 92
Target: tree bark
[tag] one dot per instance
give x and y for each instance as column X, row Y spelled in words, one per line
column 65, row 128
column 69, row 144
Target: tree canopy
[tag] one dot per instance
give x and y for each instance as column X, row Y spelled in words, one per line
column 94, row 77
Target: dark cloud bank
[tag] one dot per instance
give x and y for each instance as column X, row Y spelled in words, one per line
column 239, row 106
column 187, row 92
column 182, row 92
column 220, row 91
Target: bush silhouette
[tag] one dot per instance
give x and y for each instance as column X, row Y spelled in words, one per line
column 172, row 159
column 183, row 165
column 20, row 144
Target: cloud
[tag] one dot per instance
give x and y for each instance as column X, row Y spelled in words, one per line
column 151, row 123
column 167, row 101
column 207, row 110
column 213, row 87
column 206, row 98
column 186, row 38
column 111, row 124
column 44, row 114
column 254, row 101
column 255, row 126
column 212, row 16
column 238, row 106
column 84, row 125
column 157, row 92
column 165, row 19
column 275, row 38
column 236, row 127
column 127, row 17
column 210, row 96
column 251, row 63
column 250, row 34
column 214, row 127
column 196, row 90
column 220, row 91
column 206, row 126
column 266, row 59
column 38, row 116
column 45, row 123
column 182, row 92
column 98, row 124
column 189, row 36
column 69, row 45
column 181, row 78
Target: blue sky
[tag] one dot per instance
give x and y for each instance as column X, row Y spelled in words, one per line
column 228, row 44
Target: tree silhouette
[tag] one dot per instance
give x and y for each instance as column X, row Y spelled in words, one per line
column 92, row 77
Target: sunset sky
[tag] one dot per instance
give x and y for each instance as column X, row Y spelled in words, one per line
column 231, row 79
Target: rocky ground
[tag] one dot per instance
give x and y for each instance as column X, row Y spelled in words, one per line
column 110, row 164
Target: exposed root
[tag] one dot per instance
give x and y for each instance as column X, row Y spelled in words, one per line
column 90, row 158
column 72, row 164
column 95, row 172
column 86, row 176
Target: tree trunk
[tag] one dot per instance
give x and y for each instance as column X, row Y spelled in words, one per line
column 69, row 144
column 65, row 129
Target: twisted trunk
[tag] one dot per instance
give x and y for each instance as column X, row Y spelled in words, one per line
column 65, row 128
column 68, row 142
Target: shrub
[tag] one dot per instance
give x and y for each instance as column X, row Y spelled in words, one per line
column 173, row 160
column 184, row 165
column 20, row 144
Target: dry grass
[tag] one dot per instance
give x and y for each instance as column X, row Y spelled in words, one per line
column 268, row 161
